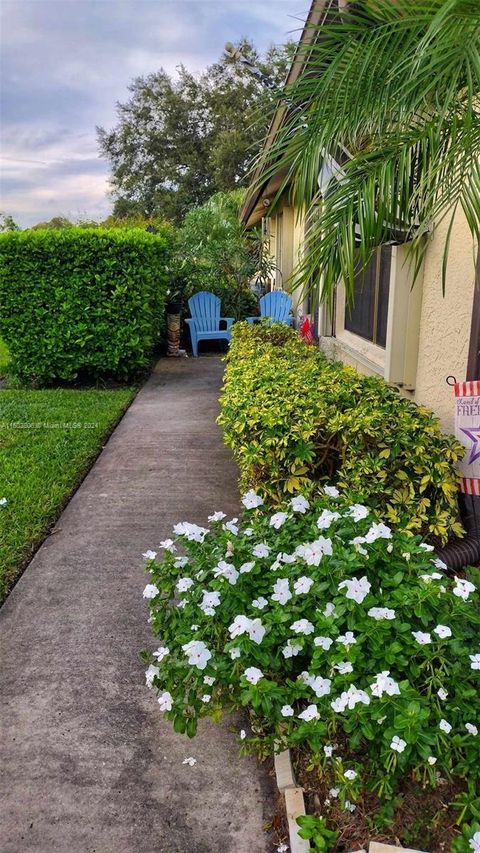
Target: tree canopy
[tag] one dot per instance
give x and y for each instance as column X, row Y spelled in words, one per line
column 391, row 91
column 178, row 141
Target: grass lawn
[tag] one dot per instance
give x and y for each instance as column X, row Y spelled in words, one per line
column 4, row 359
column 47, row 441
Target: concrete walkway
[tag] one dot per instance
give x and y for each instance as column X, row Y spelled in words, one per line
column 88, row 765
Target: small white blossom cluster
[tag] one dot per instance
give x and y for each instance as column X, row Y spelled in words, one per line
column 317, row 613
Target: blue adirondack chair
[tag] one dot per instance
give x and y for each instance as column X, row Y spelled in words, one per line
column 277, row 306
column 204, row 323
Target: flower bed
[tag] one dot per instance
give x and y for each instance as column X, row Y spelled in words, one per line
column 295, row 420
column 340, row 636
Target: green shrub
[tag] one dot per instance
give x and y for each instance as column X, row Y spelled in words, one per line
column 294, row 420
column 82, row 302
column 217, row 254
column 334, row 630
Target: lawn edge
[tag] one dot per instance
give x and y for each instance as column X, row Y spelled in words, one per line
column 82, row 474
column 294, row 800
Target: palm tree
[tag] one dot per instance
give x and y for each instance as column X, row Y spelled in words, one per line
column 389, row 101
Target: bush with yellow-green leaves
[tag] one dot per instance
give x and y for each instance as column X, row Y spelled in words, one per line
column 295, row 420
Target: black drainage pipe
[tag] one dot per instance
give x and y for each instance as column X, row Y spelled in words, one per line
column 459, row 553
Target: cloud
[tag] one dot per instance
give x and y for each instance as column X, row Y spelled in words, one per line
column 65, row 65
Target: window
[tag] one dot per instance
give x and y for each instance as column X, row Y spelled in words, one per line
column 367, row 317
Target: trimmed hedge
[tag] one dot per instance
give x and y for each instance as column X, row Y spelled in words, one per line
column 82, row 302
column 295, row 420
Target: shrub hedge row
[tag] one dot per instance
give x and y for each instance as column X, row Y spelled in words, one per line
column 295, row 420
column 82, row 302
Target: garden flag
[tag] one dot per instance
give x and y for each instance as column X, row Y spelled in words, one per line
column 467, row 430
column 306, row 331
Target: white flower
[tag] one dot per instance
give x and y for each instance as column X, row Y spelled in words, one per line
column 165, row 701
column 190, row 761
column 329, row 609
column 286, row 558
column 331, row 491
column 150, row 591
column 397, row 744
column 192, row 532
column 426, row 547
column 256, row 631
column 260, row 602
column 471, row 729
column 310, row 713
column 334, row 792
column 463, row 588
column 161, row 653
column 442, row 694
column 278, row 519
column 240, row 625
column 168, row 545
column 206, row 698
column 243, row 734
column 443, row 631
column 261, row 550
column 313, row 552
column 303, row 585
column 357, row 512
column 245, row 568
column 217, row 516
column 180, row 562
column 357, row 543
column 347, row 639
column 248, row 531
column 150, row 674
column 287, row 711
column 349, row 807
column 209, row 602
column 253, row 674
column 197, row 653
column 349, row 698
column 281, row 591
column 350, row 774
column 302, row 626
column 378, row 530
column 445, row 727
column 434, row 576
column 231, row 526
column 194, row 627
column 379, row 613
column 291, row 649
column 183, row 584
column 299, row 504
column 328, row 750
column 421, row 637
column 431, row 760
column 208, row 679
column 149, row 555
column 3, row 501
column 475, row 661
column 384, row 684
column 182, row 603
column 234, row 653
column 343, row 667
column 474, row 842
column 323, row 642
column 357, row 588
column 439, row 564
column 251, row 500
column 320, row 686
column 282, row 848
column 227, row 571
column 326, row 518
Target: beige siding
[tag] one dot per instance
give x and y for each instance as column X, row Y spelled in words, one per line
column 445, row 320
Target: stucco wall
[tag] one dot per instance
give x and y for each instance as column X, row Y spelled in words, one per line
column 445, row 320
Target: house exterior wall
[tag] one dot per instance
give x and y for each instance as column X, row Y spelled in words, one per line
column 437, row 326
column 445, row 320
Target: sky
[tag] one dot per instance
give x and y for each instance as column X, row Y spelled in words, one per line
column 65, row 64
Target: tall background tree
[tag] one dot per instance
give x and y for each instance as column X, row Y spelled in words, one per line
column 178, row 141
